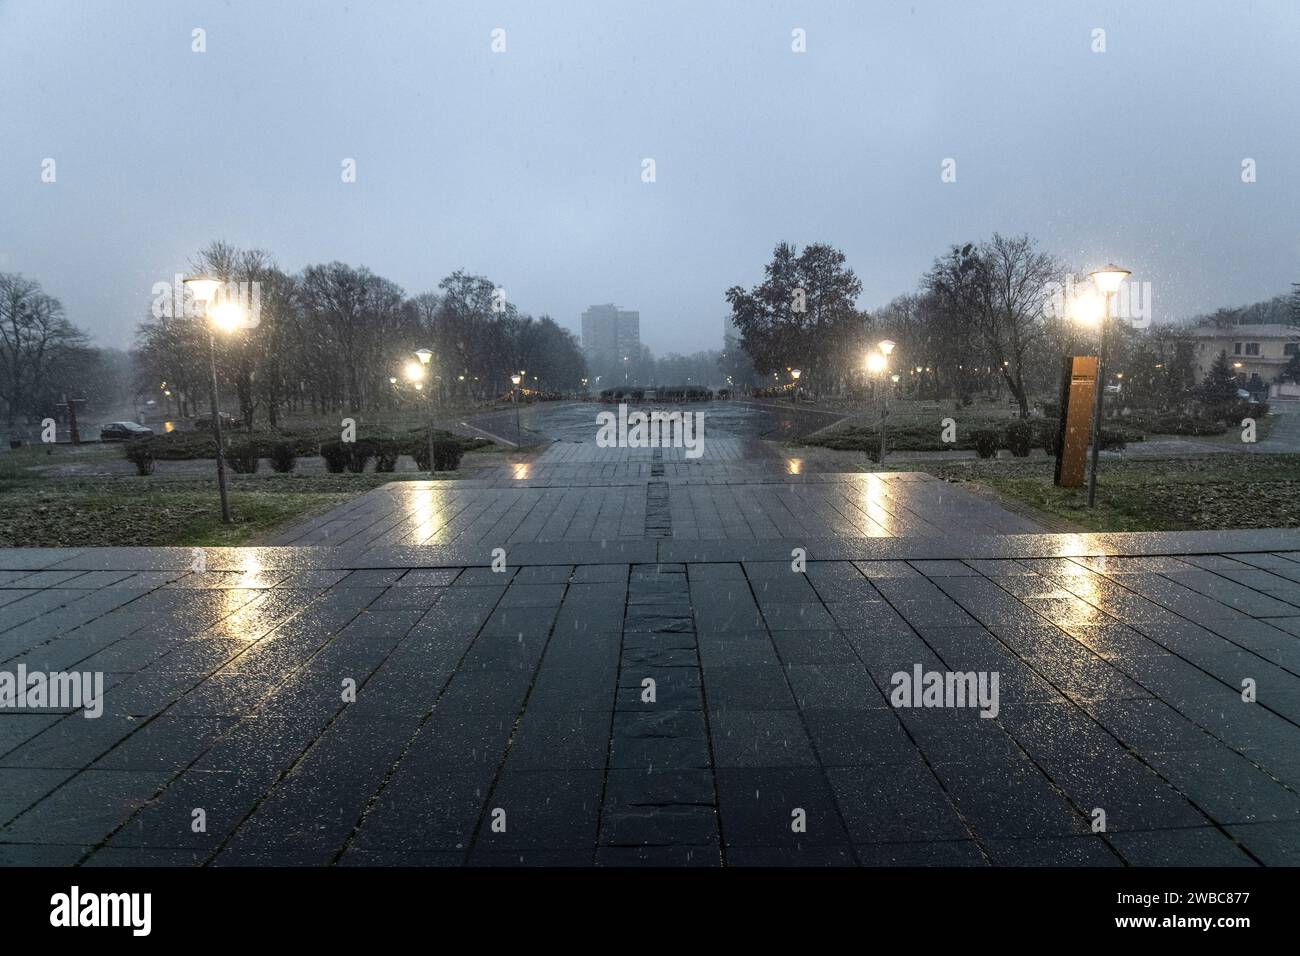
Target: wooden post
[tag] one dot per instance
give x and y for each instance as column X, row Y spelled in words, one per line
column 1078, row 380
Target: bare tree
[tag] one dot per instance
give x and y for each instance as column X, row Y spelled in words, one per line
column 38, row 346
column 1000, row 288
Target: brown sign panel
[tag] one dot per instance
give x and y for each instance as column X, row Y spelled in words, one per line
column 1078, row 382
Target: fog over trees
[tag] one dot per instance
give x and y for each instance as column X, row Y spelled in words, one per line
column 44, row 358
column 333, row 336
column 985, row 319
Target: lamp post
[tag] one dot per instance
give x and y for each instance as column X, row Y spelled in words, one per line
column 225, row 318
column 886, row 346
column 794, row 374
column 878, row 363
column 415, row 375
column 425, row 357
column 519, row 431
column 1107, row 280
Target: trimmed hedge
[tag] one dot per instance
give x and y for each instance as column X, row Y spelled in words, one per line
column 359, row 455
column 1020, row 438
column 244, row 458
column 386, row 455
column 986, row 441
column 282, row 457
column 446, row 455
column 336, row 455
column 190, row 445
column 140, row 455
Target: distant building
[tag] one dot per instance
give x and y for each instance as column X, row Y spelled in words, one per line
column 730, row 334
column 1262, row 350
column 737, row 370
column 610, row 333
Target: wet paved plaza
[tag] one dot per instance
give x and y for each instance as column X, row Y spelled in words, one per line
column 652, row 680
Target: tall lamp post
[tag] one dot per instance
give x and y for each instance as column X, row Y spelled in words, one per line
column 794, row 374
column 225, row 317
column 425, row 357
column 414, row 373
column 519, row 431
column 878, row 363
column 1107, row 280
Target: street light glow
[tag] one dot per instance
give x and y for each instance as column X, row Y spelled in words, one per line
column 226, row 316
column 886, row 346
column 1087, row 307
column 414, row 371
column 875, row 362
column 424, row 355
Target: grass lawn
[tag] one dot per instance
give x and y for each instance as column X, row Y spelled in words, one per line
column 1213, row 492
column 38, row 510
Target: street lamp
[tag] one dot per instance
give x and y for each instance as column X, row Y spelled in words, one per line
column 1107, row 280
column 415, row 372
column 878, row 364
column 225, row 317
column 425, row 357
column 519, row 431
column 794, row 374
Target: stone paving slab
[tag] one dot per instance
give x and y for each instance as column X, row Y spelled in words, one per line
column 1241, row 551
column 673, row 702
column 585, row 508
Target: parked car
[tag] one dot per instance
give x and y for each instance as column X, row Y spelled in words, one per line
column 123, row 431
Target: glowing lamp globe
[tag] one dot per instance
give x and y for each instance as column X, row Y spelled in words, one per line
column 202, row 288
column 1110, row 278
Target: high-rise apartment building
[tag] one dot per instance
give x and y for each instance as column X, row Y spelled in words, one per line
column 609, row 332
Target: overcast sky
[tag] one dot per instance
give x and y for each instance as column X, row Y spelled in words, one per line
column 526, row 165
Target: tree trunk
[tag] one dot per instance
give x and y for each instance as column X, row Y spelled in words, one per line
column 1017, row 388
